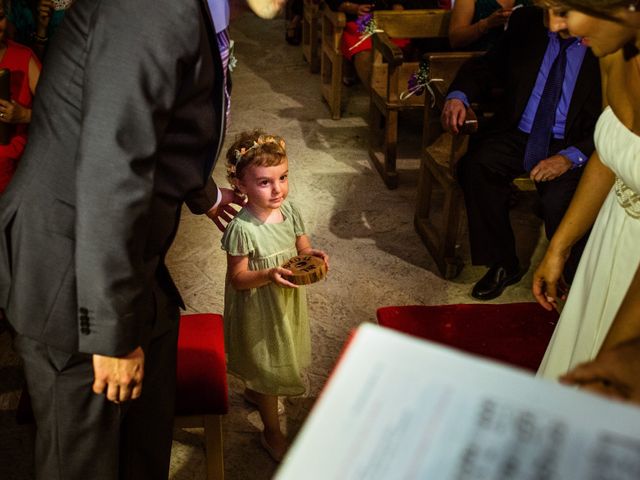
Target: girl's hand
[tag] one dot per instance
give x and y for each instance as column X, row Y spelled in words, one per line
column 12, row 112
column 276, row 276
column 316, row 253
column 548, row 285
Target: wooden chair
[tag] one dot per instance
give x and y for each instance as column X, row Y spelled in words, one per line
column 390, row 74
column 202, row 394
column 440, row 154
column 312, row 12
column 331, row 59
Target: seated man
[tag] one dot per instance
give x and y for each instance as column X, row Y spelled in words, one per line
column 543, row 125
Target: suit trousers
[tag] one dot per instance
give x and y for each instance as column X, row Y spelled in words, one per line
column 485, row 174
column 81, row 435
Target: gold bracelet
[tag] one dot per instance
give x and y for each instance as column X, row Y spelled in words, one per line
column 39, row 39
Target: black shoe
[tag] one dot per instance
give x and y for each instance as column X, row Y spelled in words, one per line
column 495, row 281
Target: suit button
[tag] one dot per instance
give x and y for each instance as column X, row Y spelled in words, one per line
column 83, row 311
column 85, row 330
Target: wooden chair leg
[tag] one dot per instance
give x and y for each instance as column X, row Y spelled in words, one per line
column 452, row 209
column 335, row 104
column 391, row 149
column 383, row 152
column 440, row 238
column 213, row 445
column 314, row 37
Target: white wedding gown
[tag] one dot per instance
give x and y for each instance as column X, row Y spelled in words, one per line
column 610, row 258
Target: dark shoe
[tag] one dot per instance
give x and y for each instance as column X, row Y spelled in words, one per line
column 495, row 281
column 348, row 81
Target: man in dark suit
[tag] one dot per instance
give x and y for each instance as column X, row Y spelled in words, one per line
column 536, row 64
column 127, row 124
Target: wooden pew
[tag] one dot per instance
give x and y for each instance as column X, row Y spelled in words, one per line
column 390, row 74
column 312, row 13
column 331, row 59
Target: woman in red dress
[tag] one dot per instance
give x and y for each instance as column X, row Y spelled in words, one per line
column 16, row 112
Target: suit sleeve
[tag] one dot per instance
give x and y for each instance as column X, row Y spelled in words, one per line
column 132, row 75
column 591, row 109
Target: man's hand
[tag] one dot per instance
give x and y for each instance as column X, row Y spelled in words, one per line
column 454, row 113
column 550, row 168
column 614, row 372
column 119, row 377
column 224, row 211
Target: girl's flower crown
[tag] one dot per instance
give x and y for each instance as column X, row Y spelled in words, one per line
column 241, row 154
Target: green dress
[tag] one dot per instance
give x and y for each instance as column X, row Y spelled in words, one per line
column 266, row 329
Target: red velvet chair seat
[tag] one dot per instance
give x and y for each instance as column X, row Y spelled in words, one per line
column 201, row 392
column 202, row 374
column 516, row 333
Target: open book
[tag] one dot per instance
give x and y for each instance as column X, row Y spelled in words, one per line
column 397, row 407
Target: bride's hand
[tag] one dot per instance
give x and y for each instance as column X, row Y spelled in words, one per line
column 548, row 285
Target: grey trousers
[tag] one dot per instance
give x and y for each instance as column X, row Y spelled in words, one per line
column 81, row 435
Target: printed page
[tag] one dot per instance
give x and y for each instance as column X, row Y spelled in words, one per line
column 403, row 408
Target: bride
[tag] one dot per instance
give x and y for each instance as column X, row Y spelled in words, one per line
column 607, row 198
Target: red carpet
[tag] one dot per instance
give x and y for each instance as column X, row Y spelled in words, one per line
column 515, row 333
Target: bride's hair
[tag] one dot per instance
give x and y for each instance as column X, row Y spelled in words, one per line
column 597, row 8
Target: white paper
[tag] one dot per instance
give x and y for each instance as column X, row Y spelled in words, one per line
column 402, row 408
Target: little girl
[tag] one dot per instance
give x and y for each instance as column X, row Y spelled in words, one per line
column 265, row 316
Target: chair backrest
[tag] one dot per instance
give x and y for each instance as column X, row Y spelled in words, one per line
column 390, row 69
column 445, row 149
column 413, row 23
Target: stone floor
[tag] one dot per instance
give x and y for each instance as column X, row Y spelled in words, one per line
column 376, row 257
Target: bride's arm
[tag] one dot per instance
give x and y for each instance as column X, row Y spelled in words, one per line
column 594, row 186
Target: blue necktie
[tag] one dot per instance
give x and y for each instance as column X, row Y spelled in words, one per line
column 542, row 129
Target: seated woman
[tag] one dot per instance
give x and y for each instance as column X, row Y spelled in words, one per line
column 34, row 21
column 15, row 113
column 477, row 24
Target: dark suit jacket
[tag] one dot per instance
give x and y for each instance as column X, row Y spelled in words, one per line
column 513, row 64
column 127, row 123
